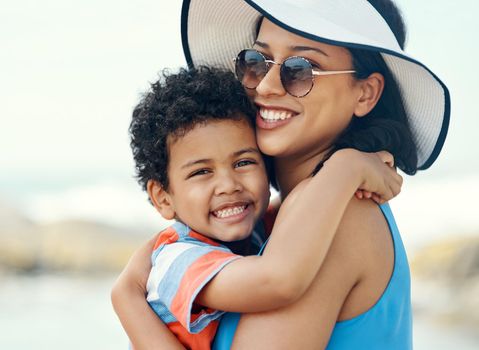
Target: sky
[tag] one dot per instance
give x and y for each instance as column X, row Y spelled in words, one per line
column 71, row 72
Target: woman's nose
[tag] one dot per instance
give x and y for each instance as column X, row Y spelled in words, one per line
column 271, row 83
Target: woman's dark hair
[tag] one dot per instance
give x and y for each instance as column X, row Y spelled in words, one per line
column 173, row 106
column 386, row 127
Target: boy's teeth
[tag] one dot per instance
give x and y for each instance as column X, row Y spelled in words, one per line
column 274, row 115
column 229, row 211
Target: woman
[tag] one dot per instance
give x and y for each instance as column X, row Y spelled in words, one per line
column 325, row 75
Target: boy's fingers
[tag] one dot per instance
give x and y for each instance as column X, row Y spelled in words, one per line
column 397, row 184
column 377, row 198
column 386, row 157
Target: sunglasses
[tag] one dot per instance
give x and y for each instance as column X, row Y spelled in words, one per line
column 297, row 73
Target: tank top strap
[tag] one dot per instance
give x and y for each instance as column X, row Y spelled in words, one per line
column 401, row 265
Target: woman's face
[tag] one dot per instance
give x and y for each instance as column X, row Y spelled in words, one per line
column 309, row 124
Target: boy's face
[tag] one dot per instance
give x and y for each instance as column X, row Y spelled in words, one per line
column 218, row 182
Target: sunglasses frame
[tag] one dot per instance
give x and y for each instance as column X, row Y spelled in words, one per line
column 315, row 71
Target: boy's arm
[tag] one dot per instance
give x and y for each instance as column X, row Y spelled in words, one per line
column 306, row 224
column 143, row 326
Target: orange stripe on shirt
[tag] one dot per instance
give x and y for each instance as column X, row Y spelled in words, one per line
column 167, row 236
column 200, row 341
column 203, row 239
column 198, row 272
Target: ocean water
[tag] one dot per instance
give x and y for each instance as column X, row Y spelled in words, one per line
column 50, row 312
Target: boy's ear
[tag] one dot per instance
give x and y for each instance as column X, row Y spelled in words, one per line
column 160, row 199
column 371, row 90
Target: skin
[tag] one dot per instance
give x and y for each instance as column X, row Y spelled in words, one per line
column 359, row 263
column 319, row 117
column 208, row 176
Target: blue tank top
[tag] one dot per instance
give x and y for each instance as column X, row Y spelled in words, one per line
column 386, row 325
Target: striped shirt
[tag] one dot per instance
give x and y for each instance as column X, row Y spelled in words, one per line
column 183, row 262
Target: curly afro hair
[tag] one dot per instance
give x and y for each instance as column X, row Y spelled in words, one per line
column 174, row 105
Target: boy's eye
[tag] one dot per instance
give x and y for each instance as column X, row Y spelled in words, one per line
column 199, row 172
column 244, row 162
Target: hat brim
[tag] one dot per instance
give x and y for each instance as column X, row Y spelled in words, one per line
column 214, row 31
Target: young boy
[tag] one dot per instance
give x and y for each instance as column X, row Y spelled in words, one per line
column 195, row 150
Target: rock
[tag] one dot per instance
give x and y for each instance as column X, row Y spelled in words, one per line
column 78, row 246
column 446, row 280
column 12, row 219
column 17, row 239
column 85, row 246
column 455, row 260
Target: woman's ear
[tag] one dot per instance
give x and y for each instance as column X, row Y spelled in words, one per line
column 371, row 89
column 160, row 199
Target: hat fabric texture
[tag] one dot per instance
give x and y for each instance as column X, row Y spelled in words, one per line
column 215, row 31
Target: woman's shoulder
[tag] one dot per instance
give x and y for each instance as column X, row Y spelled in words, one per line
column 363, row 212
column 363, row 216
column 363, row 227
column 363, row 248
column 362, row 243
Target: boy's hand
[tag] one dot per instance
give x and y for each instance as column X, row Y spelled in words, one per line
column 381, row 182
column 388, row 159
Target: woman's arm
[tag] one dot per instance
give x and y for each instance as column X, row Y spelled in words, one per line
column 144, row 328
column 294, row 253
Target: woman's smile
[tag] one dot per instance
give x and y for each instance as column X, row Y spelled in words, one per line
column 273, row 118
column 274, row 115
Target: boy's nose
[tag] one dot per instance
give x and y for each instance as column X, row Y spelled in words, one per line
column 227, row 183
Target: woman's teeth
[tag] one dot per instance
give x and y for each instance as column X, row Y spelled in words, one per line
column 229, row 212
column 272, row 115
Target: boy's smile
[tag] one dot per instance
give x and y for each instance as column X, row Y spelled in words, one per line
column 230, row 210
column 217, row 179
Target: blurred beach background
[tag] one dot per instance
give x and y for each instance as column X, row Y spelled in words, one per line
column 71, row 212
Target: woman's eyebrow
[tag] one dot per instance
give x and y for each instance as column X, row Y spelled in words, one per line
column 293, row 48
column 261, row 44
column 308, row 48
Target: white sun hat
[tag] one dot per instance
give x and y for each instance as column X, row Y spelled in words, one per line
column 215, row 31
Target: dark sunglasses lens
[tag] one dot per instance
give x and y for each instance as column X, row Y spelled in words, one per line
column 297, row 76
column 250, row 68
